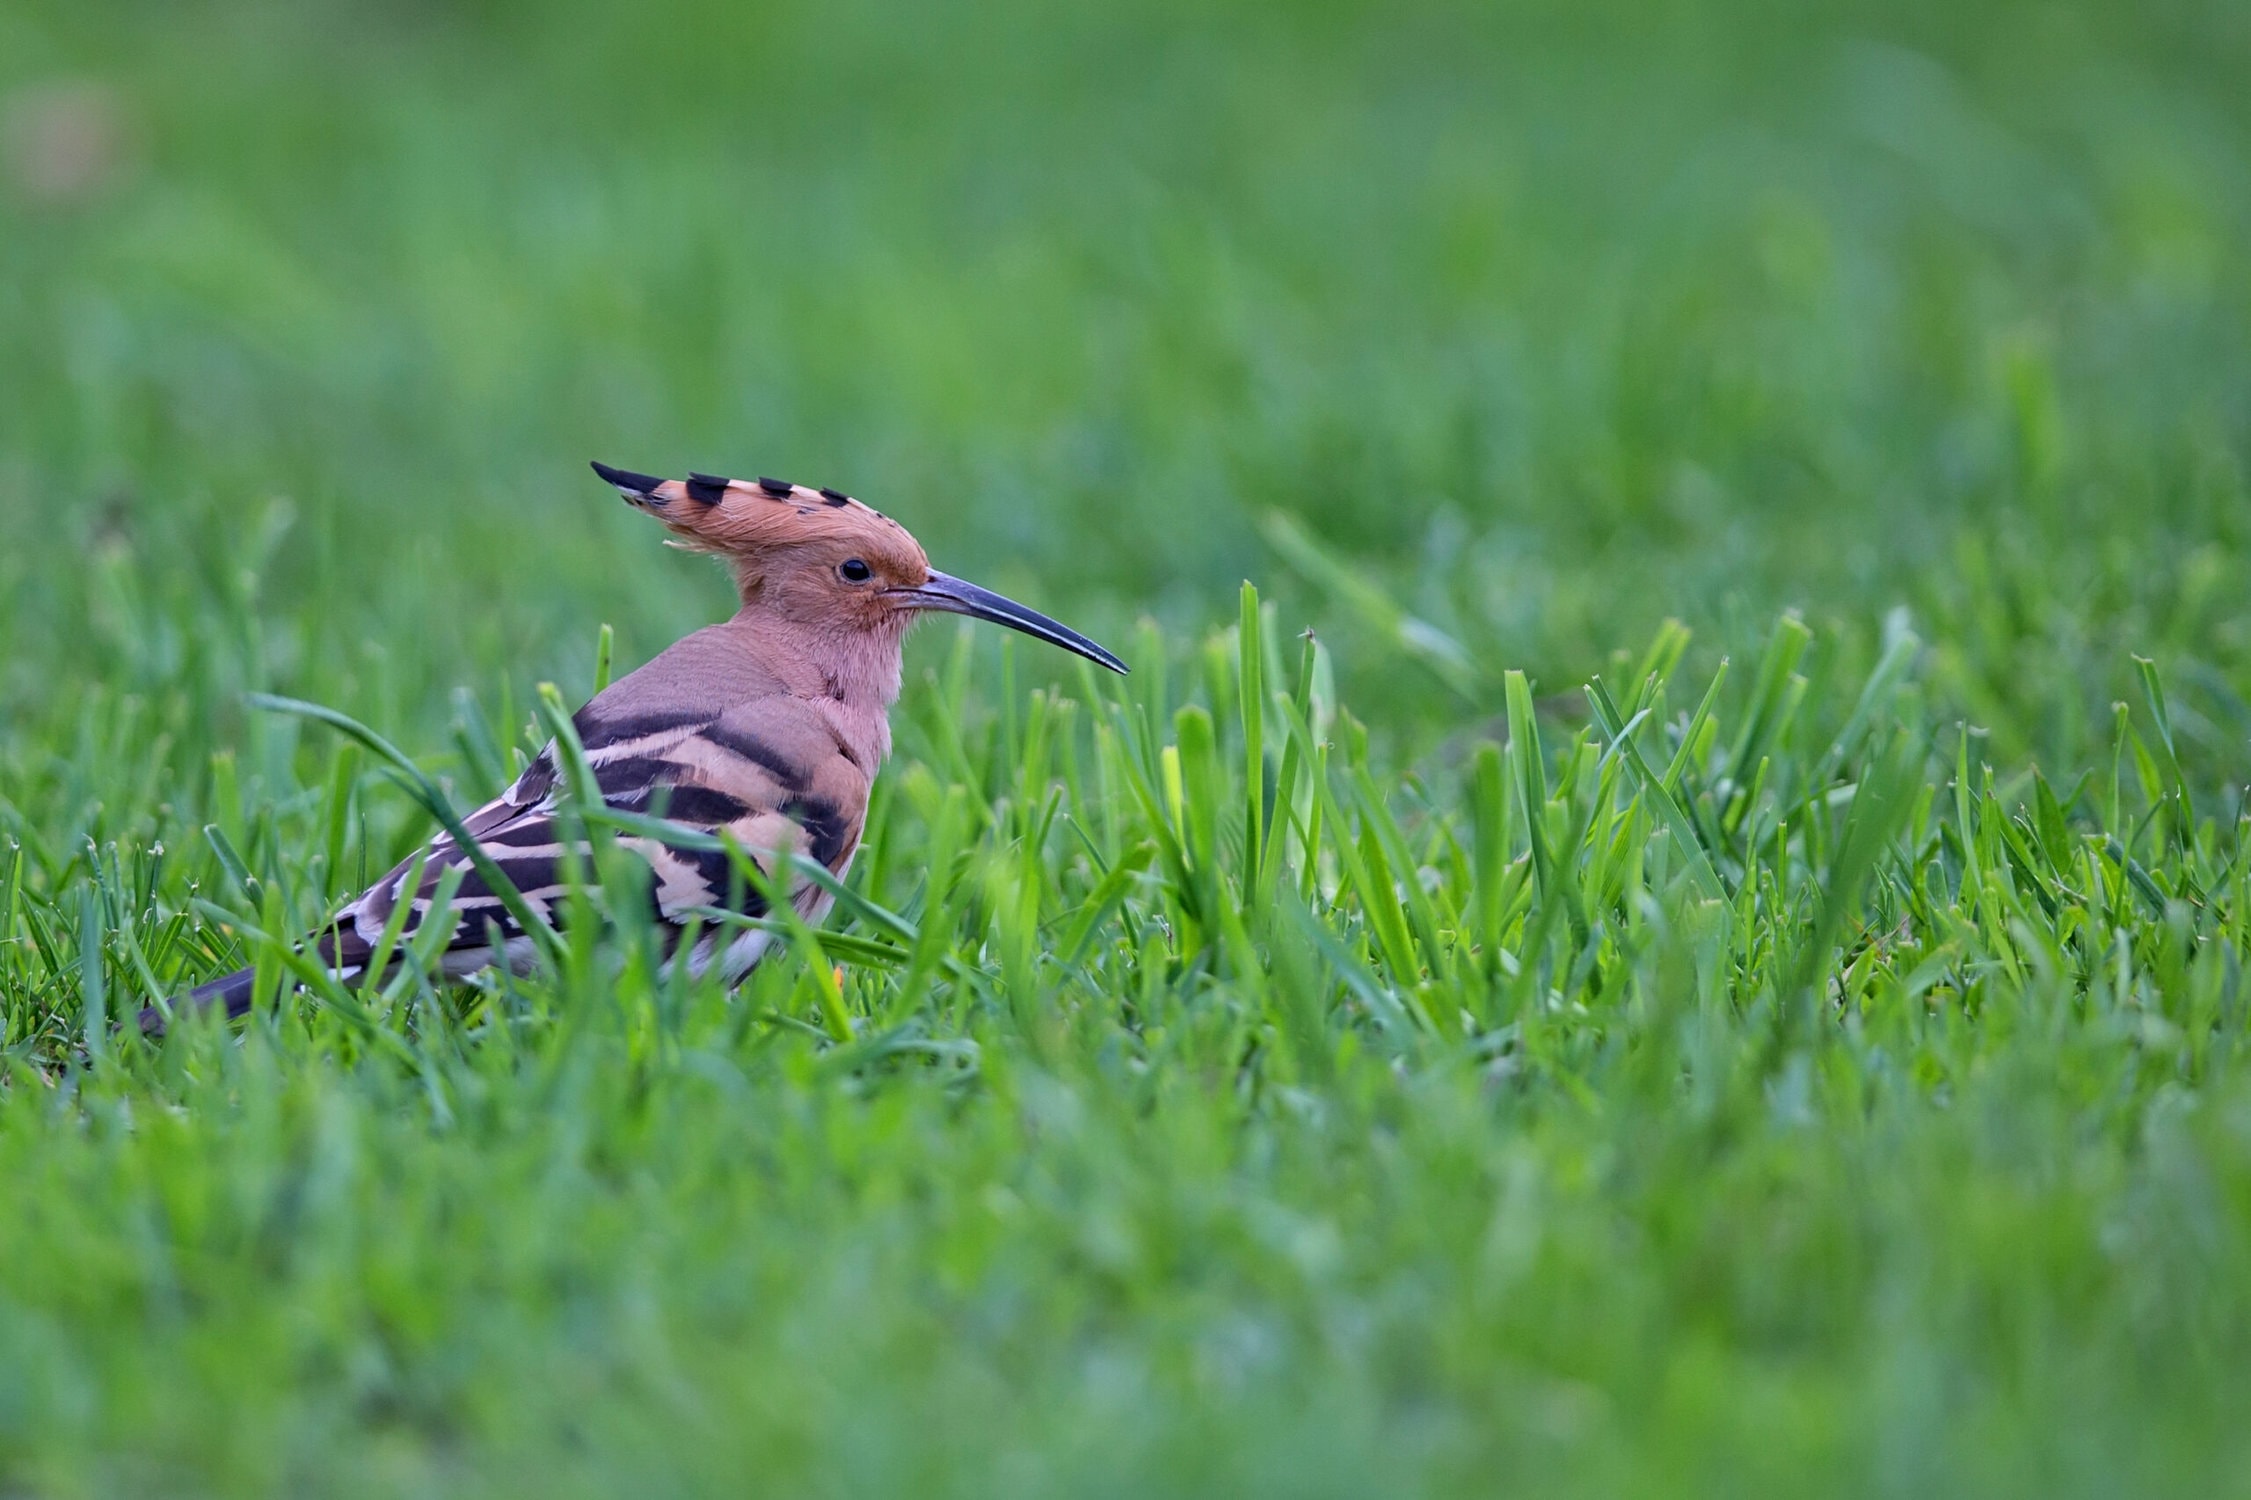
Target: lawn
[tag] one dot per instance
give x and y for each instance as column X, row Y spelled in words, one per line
column 1716, row 967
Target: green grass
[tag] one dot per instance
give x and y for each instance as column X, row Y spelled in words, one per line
column 1721, row 972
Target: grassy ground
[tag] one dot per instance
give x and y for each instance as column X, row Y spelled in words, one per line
column 1804, row 1047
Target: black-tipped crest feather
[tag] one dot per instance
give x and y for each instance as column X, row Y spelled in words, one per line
column 626, row 479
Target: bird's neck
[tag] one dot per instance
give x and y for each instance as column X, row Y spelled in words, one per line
column 852, row 678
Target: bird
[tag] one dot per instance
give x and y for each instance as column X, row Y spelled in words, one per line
column 768, row 727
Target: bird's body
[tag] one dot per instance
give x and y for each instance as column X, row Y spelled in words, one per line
column 766, row 730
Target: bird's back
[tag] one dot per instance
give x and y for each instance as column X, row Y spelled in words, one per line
column 705, row 737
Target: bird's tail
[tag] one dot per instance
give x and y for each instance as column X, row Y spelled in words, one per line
column 230, row 990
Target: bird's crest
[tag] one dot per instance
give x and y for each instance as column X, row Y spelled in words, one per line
column 729, row 514
column 746, row 519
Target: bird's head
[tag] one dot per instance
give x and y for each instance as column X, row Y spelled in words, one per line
column 824, row 560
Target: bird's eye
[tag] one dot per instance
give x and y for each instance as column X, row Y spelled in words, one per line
column 852, row 570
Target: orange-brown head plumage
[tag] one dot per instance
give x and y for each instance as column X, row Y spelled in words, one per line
column 812, row 553
column 818, row 560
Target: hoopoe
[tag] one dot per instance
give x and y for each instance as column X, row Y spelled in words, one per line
column 769, row 727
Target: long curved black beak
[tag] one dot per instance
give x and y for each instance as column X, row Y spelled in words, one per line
column 949, row 595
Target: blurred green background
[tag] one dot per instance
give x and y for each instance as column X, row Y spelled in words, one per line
column 1550, row 321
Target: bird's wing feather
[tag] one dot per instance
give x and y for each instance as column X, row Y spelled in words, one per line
column 769, row 772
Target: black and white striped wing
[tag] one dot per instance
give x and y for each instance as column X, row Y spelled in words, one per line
column 761, row 778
